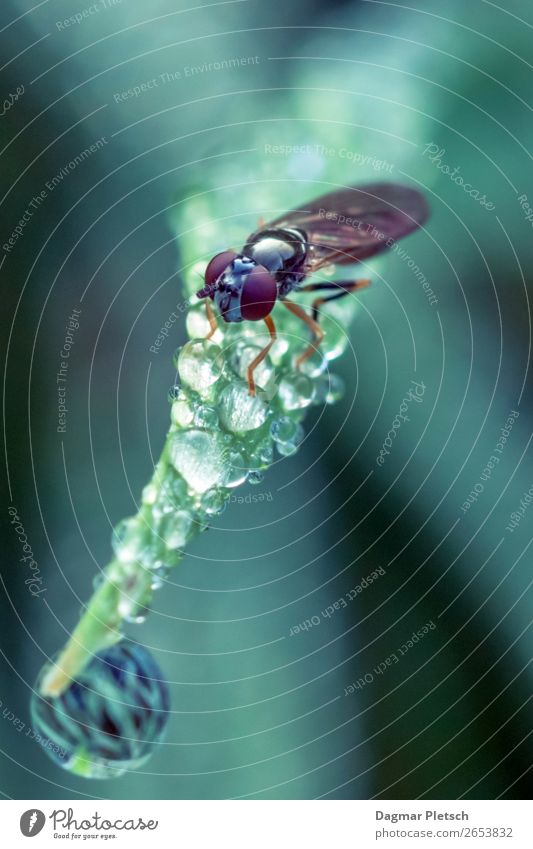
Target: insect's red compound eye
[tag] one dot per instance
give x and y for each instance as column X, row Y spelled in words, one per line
column 258, row 295
column 217, row 266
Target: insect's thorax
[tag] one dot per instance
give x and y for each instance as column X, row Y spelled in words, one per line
column 283, row 252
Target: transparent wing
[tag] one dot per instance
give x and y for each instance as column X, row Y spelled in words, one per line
column 351, row 224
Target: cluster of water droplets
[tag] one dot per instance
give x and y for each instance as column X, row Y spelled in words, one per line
column 220, row 437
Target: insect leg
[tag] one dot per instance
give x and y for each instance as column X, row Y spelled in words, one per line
column 342, row 287
column 211, row 319
column 313, row 325
column 261, row 356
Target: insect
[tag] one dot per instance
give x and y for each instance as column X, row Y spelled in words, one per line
column 339, row 228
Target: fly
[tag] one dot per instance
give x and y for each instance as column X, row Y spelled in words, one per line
column 339, row 228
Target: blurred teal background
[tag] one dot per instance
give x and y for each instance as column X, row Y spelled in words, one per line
column 259, row 713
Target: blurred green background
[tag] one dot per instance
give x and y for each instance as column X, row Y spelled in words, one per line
column 257, row 712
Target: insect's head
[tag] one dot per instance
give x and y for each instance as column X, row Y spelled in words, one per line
column 240, row 287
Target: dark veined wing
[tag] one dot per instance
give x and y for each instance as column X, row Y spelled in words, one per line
column 351, row 224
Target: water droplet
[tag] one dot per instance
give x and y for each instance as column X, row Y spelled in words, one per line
column 243, row 355
column 149, row 494
column 199, row 363
column 296, row 391
column 181, row 412
column 336, row 389
column 198, row 457
column 175, row 528
column 172, row 495
column 334, row 321
column 239, row 411
column 336, row 337
column 98, row 580
column 131, row 542
column 174, row 392
column 135, row 591
column 197, row 323
column 283, row 429
column 159, row 575
column 137, row 616
column 237, row 470
column 265, row 453
column 314, row 365
column 330, row 388
column 255, row 477
column 286, row 449
column 111, row 716
column 214, row 501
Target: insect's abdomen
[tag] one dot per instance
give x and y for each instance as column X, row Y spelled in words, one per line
column 283, row 252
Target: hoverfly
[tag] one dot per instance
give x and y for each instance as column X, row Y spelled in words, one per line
column 339, row 228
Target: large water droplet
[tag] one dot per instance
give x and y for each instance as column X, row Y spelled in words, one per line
column 110, row 718
column 239, row 411
column 296, row 391
column 199, row 364
column 198, row 457
column 243, row 355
